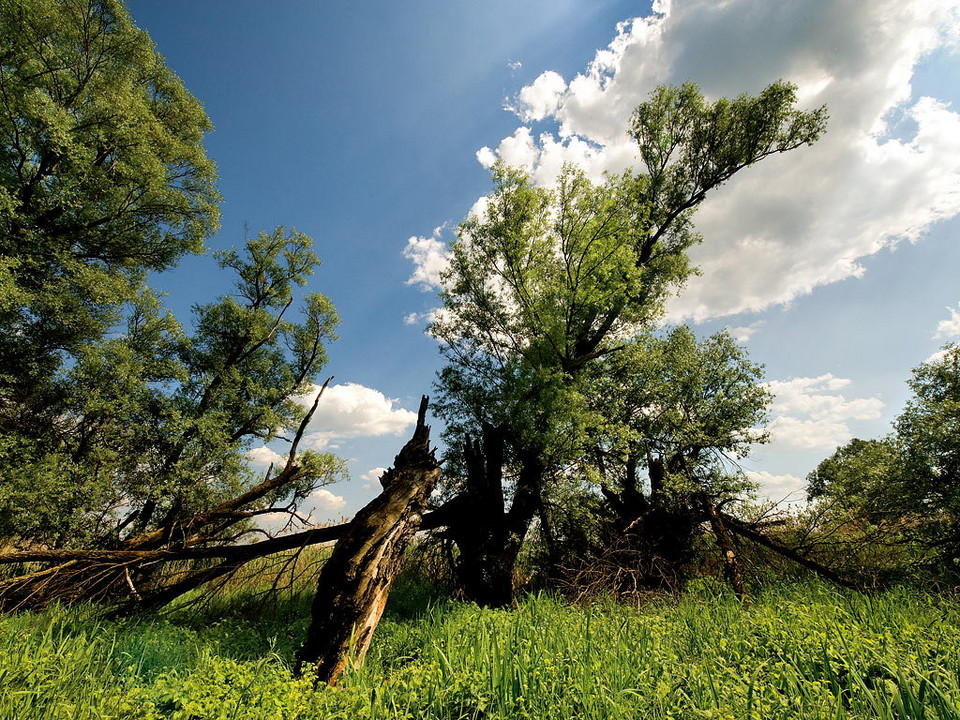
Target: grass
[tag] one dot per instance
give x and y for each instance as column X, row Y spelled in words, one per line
column 802, row 650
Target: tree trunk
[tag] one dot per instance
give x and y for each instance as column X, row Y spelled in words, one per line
column 731, row 564
column 355, row 582
column 480, row 526
column 488, row 537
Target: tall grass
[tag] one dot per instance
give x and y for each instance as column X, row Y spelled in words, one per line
column 797, row 651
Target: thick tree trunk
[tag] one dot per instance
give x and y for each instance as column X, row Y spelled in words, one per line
column 480, row 525
column 489, row 537
column 355, row 582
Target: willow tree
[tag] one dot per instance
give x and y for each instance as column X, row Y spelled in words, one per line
column 103, row 178
column 113, row 419
column 546, row 281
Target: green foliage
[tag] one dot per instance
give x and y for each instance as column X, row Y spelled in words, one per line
column 799, row 651
column 928, row 431
column 103, row 177
column 152, row 424
column 906, row 483
column 546, row 282
column 690, row 405
column 858, row 476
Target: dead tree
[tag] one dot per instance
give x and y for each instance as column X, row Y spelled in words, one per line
column 355, row 582
column 731, row 563
column 744, row 530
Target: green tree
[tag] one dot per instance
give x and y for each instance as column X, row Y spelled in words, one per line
column 904, row 489
column 678, row 415
column 928, row 433
column 546, row 282
column 683, row 409
column 857, row 478
column 154, row 424
column 114, row 422
column 103, row 177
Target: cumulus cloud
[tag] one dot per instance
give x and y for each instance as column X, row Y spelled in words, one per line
column 351, row 410
column 371, row 478
column 885, row 171
column 429, row 257
column 949, row 328
column 778, row 487
column 811, row 414
column 543, row 97
column 264, row 457
column 324, row 501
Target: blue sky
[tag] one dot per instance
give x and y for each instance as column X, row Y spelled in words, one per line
column 367, row 126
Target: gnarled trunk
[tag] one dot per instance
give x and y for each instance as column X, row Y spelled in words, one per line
column 488, row 536
column 355, row 582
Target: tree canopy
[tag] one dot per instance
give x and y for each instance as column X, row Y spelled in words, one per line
column 113, row 419
column 103, row 177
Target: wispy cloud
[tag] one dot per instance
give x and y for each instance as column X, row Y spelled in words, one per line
column 810, row 413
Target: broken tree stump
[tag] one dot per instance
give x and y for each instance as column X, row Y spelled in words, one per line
column 355, row 582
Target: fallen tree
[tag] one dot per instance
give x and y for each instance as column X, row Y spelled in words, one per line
column 130, row 579
column 355, row 581
column 130, row 571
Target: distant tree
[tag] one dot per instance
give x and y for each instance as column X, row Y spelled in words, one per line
column 928, row 433
column 857, row 478
column 545, row 282
column 908, row 483
column 103, row 177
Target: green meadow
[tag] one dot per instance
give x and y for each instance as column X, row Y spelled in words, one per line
column 795, row 650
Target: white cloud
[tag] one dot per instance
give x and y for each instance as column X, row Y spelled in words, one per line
column 817, row 398
column 950, row 328
column 543, row 97
column 323, row 500
column 371, row 478
column 263, row 457
column 778, row 487
column 486, row 157
column 351, row 410
column 796, row 221
column 743, row 333
column 430, row 258
column 810, row 414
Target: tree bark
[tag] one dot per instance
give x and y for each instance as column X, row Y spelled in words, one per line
column 488, row 536
column 355, row 582
column 731, row 564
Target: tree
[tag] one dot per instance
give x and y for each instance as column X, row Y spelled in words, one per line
column 546, row 282
column 103, row 177
column 928, row 431
column 857, row 478
column 903, row 489
column 154, row 424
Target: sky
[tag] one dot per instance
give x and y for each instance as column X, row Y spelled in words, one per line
column 371, row 127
